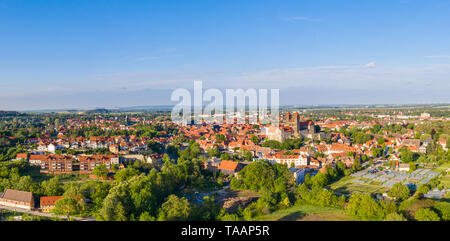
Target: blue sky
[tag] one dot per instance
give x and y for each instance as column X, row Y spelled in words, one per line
column 83, row 54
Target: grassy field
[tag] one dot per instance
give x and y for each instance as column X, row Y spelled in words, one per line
column 307, row 213
column 446, row 181
column 342, row 182
column 346, row 185
column 443, row 167
column 69, row 177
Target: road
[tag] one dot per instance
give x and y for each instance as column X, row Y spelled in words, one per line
column 48, row 215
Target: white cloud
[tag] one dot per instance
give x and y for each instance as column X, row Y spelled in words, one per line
column 370, row 65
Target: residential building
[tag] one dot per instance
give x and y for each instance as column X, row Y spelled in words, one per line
column 48, row 203
column 17, row 199
column 57, row 164
column 22, row 156
column 230, row 167
column 212, row 165
column 299, row 174
column 403, row 167
column 88, row 163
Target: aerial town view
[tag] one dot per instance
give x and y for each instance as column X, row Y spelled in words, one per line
column 358, row 163
column 224, row 111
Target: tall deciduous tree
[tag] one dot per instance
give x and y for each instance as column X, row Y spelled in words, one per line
column 175, row 209
column 426, row 214
column 399, row 192
column 364, row 206
column 100, row 171
column 66, row 206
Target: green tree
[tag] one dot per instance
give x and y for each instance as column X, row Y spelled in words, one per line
column 364, row 206
column 325, row 198
column 117, row 205
column 254, row 139
column 247, row 155
column 66, row 206
column 145, row 216
column 100, row 171
column 389, row 206
column 395, row 217
column 426, row 214
column 213, row 152
column 224, row 216
column 126, row 174
column 340, row 167
column 443, row 209
column 319, row 180
column 356, row 165
column 220, row 138
column 307, row 180
column 207, row 211
column 272, row 144
column 166, row 158
column 225, row 156
column 52, row 187
column 407, row 155
column 422, row 189
column 175, row 209
column 261, row 175
column 99, row 192
column 25, row 183
column 399, row 192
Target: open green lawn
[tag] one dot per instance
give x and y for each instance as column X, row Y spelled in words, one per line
column 342, row 182
column 346, row 185
column 442, row 167
column 446, row 181
column 307, row 213
column 69, row 177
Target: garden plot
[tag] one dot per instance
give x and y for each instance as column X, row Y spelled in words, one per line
column 391, row 183
column 359, row 174
column 381, row 178
column 358, row 181
column 370, row 176
column 366, row 182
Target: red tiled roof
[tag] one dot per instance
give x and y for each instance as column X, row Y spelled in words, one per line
column 228, row 165
column 22, row 155
column 49, row 200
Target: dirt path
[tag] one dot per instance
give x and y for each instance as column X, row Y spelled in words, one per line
column 48, row 215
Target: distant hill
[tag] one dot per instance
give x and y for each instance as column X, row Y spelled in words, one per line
column 143, row 108
column 9, row 113
column 97, row 111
